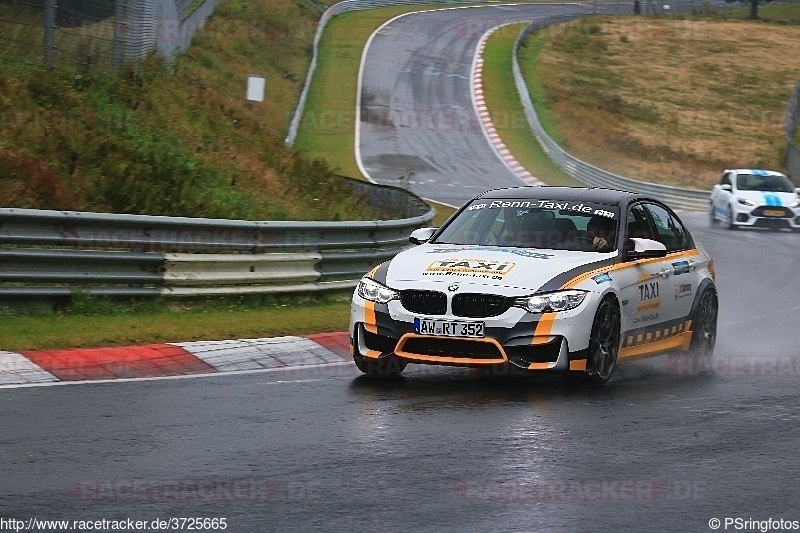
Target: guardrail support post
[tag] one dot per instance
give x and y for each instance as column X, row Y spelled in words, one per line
column 49, row 43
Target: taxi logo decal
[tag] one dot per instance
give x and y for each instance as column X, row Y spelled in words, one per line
column 480, row 268
column 649, row 297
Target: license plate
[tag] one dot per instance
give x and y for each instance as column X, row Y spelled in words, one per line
column 448, row 328
column 773, row 213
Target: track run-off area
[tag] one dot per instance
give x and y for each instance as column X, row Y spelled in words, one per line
column 665, row 446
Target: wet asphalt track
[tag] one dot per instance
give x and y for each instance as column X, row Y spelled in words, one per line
column 663, row 447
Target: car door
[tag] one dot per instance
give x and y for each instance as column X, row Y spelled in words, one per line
column 721, row 195
column 642, row 282
column 680, row 272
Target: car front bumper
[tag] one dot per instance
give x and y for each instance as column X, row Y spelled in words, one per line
column 766, row 216
column 536, row 342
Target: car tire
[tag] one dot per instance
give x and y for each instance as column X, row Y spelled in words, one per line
column 704, row 336
column 712, row 218
column 604, row 342
column 384, row 367
column 729, row 219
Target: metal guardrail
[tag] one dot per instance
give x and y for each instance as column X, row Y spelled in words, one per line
column 676, row 197
column 51, row 254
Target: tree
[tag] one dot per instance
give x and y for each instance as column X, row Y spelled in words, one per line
column 753, row 6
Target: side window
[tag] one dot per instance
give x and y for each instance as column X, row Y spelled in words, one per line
column 726, row 179
column 670, row 231
column 639, row 223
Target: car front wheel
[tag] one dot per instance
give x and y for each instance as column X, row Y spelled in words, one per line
column 604, row 342
column 729, row 219
column 704, row 336
column 712, row 217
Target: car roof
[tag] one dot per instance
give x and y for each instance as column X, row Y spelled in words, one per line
column 572, row 194
column 756, row 171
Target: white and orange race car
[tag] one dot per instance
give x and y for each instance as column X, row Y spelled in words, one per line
column 548, row 279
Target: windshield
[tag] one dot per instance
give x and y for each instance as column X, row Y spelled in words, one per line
column 560, row 225
column 772, row 183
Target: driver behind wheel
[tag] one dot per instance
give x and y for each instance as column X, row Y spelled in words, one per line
column 601, row 231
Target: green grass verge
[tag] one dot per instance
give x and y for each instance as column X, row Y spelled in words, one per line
column 507, row 112
column 443, row 212
column 98, row 323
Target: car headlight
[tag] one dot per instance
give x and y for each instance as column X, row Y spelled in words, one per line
column 371, row 290
column 552, row 302
column 795, row 205
column 745, row 201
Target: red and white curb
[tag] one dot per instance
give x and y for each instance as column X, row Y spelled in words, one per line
column 31, row 367
column 489, row 130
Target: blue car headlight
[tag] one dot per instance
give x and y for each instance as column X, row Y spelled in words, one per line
column 552, row 302
column 371, row 290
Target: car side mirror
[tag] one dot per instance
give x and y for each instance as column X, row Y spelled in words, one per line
column 797, row 190
column 637, row 248
column 421, row 235
column 726, row 187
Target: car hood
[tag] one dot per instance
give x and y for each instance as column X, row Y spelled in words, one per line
column 521, row 268
column 769, row 198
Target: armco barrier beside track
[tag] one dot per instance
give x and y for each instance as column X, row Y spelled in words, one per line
column 52, row 254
